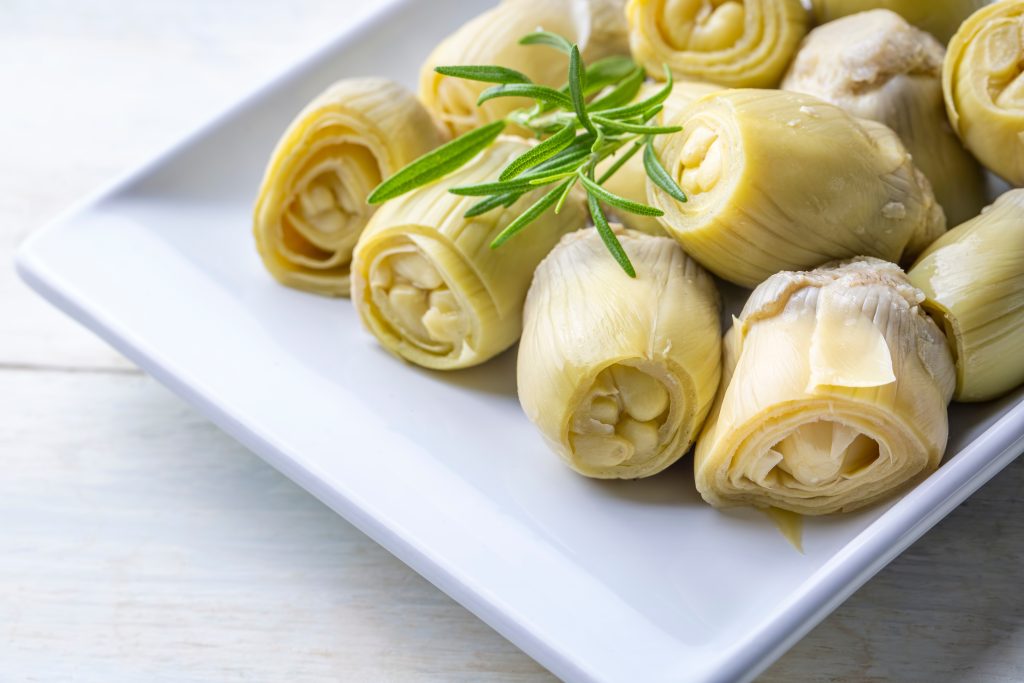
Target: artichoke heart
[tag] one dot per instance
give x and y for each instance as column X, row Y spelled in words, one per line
column 834, row 392
column 618, row 373
column 973, row 278
column 941, row 18
column 597, row 26
column 312, row 205
column 684, row 93
column 784, row 181
column 735, row 43
column 425, row 280
column 630, row 181
column 876, row 66
column 983, row 84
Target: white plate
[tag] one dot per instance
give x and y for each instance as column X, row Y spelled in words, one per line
column 598, row 581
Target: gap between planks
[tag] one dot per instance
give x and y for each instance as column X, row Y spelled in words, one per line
column 76, row 369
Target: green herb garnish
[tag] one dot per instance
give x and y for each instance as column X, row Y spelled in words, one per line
column 590, row 119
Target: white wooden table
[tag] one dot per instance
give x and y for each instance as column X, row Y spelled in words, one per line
column 137, row 542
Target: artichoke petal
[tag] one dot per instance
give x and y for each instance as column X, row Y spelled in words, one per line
column 735, row 43
column 941, row 19
column 784, row 181
column 598, row 26
column 874, row 65
column 630, row 181
column 983, row 85
column 425, row 280
column 312, row 205
column 973, row 278
column 618, row 373
column 777, row 437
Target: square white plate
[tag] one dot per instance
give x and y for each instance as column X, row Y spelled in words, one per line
column 599, row 581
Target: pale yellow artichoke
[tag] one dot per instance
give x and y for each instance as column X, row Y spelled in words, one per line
column 619, row 373
column 983, row 83
column 598, row 26
column 735, row 43
column 941, row 18
column 834, row 392
column 630, row 181
column 783, row 181
column 312, row 205
column 425, row 280
column 877, row 66
column 684, row 93
column 973, row 278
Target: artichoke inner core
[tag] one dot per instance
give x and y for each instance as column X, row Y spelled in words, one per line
column 816, row 453
column 702, row 25
column 413, row 297
column 702, row 160
column 620, row 421
column 328, row 209
column 1005, row 63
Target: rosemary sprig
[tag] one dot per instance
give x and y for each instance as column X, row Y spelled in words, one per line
column 590, row 119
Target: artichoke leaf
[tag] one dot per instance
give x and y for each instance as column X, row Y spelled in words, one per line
column 778, row 438
column 941, row 19
column 597, row 26
column 983, row 86
column 616, row 372
column 784, row 181
column 734, row 43
column 874, row 65
column 312, row 204
column 425, row 279
column 973, row 281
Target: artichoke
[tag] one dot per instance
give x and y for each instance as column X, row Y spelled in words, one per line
column 784, row 181
column 597, row 26
column 312, row 202
column 684, row 93
column 983, row 84
column 876, row 66
column 425, row 280
column 834, row 392
column 973, row 278
column 735, row 43
column 941, row 18
column 619, row 373
column 630, row 181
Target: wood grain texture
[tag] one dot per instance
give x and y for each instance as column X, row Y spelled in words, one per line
column 137, row 542
column 140, row 543
column 94, row 89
